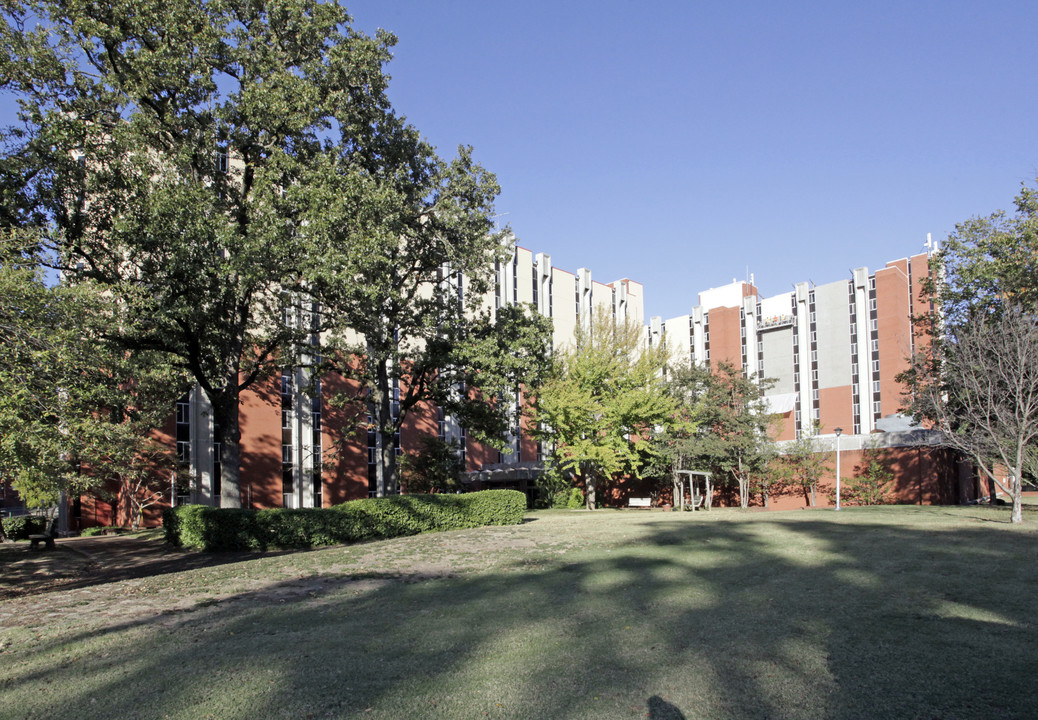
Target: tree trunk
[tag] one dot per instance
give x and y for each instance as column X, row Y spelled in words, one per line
column 767, row 497
column 1017, row 488
column 386, row 480
column 225, row 415
column 589, row 486
column 813, row 499
column 744, row 486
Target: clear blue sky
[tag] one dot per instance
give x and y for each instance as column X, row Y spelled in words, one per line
column 683, row 144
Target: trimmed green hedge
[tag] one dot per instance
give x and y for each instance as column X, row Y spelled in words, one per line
column 20, row 527
column 215, row 529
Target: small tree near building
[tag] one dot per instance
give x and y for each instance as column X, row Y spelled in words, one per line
column 803, row 463
column 734, row 435
column 871, row 481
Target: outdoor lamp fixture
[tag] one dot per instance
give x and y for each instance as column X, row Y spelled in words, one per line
column 838, row 432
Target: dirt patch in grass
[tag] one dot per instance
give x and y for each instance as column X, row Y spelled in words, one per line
column 121, row 578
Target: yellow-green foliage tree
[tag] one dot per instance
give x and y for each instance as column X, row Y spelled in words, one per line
column 604, row 402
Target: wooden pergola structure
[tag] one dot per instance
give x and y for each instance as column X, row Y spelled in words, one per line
column 700, row 488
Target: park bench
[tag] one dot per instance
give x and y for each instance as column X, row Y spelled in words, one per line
column 639, row 502
column 47, row 538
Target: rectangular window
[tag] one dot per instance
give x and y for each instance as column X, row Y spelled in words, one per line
column 183, row 413
column 497, row 284
column 875, row 324
column 875, row 387
column 515, row 279
column 318, row 489
column 872, row 304
column 875, row 366
column 876, row 408
column 875, row 346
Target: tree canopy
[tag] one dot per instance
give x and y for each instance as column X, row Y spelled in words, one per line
column 223, row 170
column 988, row 264
column 732, row 438
column 75, row 411
column 604, row 402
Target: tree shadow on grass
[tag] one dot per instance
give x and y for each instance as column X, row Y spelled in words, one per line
column 742, row 618
column 88, row 562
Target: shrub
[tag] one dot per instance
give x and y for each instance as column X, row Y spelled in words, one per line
column 869, row 487
column 434, row 468
column 569, row 499
column 214, row 529
column 21, row 527
column 102, row 530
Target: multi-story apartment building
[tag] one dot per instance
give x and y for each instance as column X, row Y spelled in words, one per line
column 300, row 450
column 832, row 354
column 832, row 350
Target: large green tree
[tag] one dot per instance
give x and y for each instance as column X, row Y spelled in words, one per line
column 677, row 445
column 604, row 403
column 76, row 408
column 976, row 379
column 986, row 265
column 404, row 292
column 216, row 165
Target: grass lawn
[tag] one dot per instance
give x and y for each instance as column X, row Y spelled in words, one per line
column 899, row 612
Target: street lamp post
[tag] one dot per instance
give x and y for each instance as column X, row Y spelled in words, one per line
column 838, row 431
